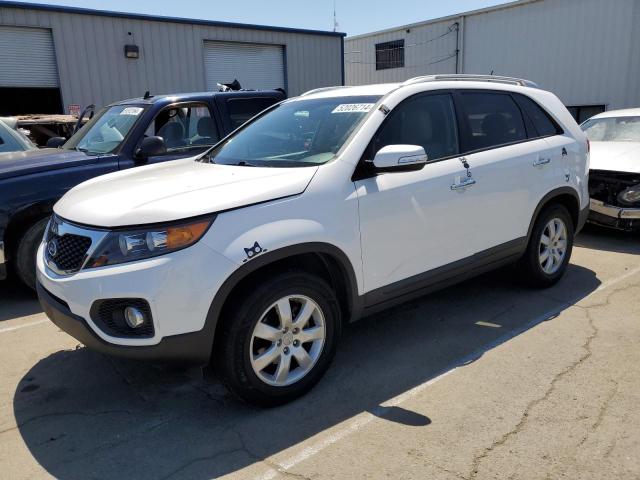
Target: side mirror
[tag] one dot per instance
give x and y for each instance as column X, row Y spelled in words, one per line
column 400, row 157
column 150, row 147
column 56, row 142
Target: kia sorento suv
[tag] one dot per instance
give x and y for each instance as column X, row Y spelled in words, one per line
column 320, row 210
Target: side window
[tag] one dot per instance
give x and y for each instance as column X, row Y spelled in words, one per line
column 425, row 120
column 545, row 126
column 243, row 109
column 185, row 127
column 492, row 119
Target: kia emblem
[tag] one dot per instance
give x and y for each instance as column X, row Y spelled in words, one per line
column 52, row 248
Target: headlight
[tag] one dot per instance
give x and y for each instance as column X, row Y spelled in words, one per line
column 630, row 196
column 129, row 246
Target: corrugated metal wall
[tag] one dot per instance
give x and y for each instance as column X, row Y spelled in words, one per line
column 93, row 69
column 586, row 51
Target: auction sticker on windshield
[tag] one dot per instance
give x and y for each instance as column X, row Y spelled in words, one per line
column 353, row 107
column 131, row 111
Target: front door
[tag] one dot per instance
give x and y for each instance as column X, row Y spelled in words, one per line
column 412, row 222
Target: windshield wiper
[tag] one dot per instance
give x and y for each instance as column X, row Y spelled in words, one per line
column 243, row 163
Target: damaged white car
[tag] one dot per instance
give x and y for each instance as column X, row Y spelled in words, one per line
column 614, row 177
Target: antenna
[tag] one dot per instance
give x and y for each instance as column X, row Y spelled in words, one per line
column 335, row 18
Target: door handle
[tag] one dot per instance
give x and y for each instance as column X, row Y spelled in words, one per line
column 467, row 182
column 541, row 161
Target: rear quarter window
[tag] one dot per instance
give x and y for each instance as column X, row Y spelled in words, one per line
column 544, row 125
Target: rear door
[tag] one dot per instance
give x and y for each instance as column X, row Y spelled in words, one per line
column 556, row 164
column 503, row 160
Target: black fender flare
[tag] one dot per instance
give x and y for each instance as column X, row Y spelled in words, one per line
column 270, row 257
column 547, row 198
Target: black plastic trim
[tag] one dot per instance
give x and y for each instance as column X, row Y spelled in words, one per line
column 444, row 276
column 355, row 305
column 550, row 196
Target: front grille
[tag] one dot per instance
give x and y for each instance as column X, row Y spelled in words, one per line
column 67, row 252
column 108, row 315
column 605, row 186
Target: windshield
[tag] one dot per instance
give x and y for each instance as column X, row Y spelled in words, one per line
column 105, row 132
column 294, row 134
column 619, row 129
column 13, row 140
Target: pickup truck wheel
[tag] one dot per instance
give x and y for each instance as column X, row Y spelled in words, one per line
column 549, row 249
column 279, row 339
column 26, row 253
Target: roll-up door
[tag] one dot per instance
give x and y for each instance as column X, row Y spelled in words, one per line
column 27, row 58
column 256, row 66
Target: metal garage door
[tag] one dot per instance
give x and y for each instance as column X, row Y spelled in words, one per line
column 256, row 66
column 27, row 58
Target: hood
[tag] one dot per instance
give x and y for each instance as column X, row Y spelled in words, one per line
column 14, row 164
column 176, row 190
column 615, row 156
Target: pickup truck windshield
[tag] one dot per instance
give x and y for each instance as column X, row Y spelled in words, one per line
column 618, row 129
column 106, row 131
column 295, row 134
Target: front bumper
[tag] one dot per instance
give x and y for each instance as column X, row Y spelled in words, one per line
column 178, row 287
column 190, row 348
column 614, row 217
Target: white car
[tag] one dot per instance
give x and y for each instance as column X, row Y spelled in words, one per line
column 321, row 210
column 614, row 180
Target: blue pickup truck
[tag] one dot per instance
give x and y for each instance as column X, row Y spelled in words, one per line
column 123, row 135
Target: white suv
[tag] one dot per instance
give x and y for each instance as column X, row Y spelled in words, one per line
column 321, row 210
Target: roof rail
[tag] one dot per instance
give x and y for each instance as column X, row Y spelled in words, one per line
column 471, row 78
column 323, row 89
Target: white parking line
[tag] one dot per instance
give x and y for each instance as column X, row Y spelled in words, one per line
column 18, row 327
column 363, row 419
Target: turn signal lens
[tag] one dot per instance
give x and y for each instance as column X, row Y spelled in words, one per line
column 178, row 237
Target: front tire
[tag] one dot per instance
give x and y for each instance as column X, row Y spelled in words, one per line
column 549, row 249
column 278, row 338
column 26, row 253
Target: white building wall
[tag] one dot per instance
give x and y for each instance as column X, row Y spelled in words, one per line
column 92, row 67
column 586, row 51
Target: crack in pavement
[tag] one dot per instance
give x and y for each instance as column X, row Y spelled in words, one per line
column 600, row 418
column 586, row 346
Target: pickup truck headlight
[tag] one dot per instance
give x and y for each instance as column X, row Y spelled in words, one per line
column 139, row 244
column 630, row 196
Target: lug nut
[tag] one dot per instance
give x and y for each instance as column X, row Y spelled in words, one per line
column 296, row 343
column 279, row 342
column 286, row 350
column 296, row 330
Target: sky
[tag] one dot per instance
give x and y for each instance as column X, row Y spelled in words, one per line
column 354, row 16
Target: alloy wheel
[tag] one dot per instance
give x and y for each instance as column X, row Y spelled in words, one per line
column 553, row 246
column 288, row 340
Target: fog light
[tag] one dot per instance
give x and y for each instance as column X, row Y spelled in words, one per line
column 134, row 317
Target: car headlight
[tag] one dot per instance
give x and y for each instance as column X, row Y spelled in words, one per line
column 122, row 246
column 630, row 196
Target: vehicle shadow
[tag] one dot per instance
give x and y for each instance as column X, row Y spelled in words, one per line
column 83, row 414
column 17, row 300
column 607, row 239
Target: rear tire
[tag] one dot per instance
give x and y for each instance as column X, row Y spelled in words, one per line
column 278, row 338
column 549, row 251
column 26, row 253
